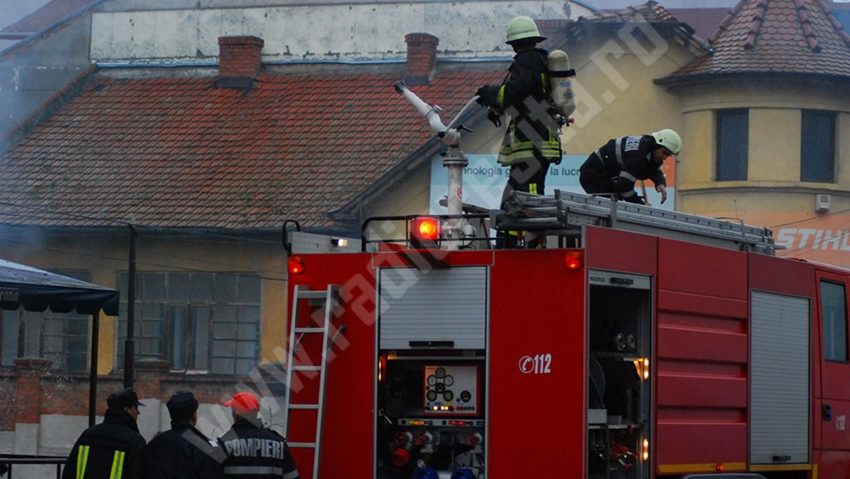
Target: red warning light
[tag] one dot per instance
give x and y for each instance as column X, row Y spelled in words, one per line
column 718, row 468
column 424, row 232
column 572, row 260
column 426, row 228
column 295, row 265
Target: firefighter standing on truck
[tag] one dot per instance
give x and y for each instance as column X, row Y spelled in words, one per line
column 532, row 140
column 253, row 451
column 113, row 448
column 618, row 164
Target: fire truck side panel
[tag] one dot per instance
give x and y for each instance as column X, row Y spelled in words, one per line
column 794, row 278
column 617, row 250
column 537, row 355
column 782, row 276
column 347, row 448
column 701, row 358
column 836, row 371
column 831, row 464
column 832, row 410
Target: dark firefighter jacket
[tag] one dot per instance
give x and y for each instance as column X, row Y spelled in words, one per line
column 109, row 450
column 616, row 166
column 181, row 453
column 534, row 131
column 256, row 453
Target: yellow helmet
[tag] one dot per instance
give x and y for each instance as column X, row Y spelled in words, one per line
column 523, row 28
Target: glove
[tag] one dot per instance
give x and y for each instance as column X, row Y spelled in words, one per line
column 481, row 92
column 495, row 118
column 485, row 95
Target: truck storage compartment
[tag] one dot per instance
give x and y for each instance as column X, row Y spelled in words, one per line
column 430, row 392
column 430, row 413
column 433, row 308
column 619, row 405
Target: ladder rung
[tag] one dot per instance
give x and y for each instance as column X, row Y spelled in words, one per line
column 309, row 330
column 327, row 300
column 301, row 444
column 311, row 294
column 306, row 368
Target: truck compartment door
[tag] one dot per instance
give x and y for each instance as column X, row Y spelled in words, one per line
column 779, row 406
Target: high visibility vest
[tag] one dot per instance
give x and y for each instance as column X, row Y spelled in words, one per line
column 516, row 150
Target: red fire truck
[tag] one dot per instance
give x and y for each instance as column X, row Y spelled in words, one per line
column 639, row 343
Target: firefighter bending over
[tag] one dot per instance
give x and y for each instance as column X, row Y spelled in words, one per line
column 254, row 452
column 614, row 167
column 532, row 140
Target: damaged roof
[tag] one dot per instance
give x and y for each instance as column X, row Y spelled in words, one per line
column 650, row 12
column 180, row 152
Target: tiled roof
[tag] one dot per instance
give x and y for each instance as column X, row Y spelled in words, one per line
column 784, row 36
column 182, row 153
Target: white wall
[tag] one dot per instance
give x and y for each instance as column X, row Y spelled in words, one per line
column 360, row 31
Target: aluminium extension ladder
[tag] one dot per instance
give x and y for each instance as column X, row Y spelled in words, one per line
column 564, row 213
column 310, row 339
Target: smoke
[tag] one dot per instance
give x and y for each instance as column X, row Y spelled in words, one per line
column 13, row 10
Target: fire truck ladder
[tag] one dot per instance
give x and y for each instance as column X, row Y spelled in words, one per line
column 564, row 213
column 309, row 340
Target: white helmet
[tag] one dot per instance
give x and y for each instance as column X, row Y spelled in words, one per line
column 668, row 139
column 523, row 28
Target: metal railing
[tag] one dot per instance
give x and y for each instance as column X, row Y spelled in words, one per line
column 8, row 461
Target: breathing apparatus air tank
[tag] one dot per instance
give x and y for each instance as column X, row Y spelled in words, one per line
column 560, row 86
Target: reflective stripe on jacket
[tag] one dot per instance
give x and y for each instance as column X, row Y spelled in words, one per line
column 534, row 131
column 256, row 453
column 616, row 166
column 109, row 450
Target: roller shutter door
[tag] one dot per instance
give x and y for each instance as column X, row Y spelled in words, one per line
column 439, row 306
column 780, row 379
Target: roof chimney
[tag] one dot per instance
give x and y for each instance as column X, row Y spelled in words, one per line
column 239, row 60
column 421, row 57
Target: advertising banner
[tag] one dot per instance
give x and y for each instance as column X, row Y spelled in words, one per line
column 484, row 180
column 822, row 238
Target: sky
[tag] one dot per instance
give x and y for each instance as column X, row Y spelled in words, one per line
column 13, row 10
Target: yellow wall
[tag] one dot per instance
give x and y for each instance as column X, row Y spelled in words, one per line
column 615, row 93
column 773, row 183
column 105, row 255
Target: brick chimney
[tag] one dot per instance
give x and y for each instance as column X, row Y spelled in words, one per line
column 239, row 60
column 421, row 57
